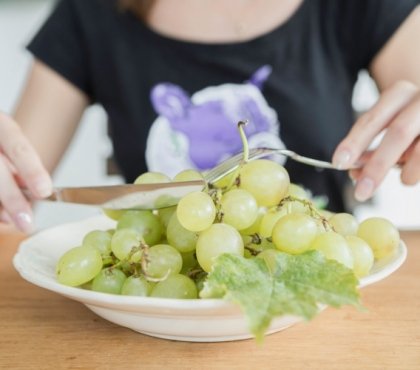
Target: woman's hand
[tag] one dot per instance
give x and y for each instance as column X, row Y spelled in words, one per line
column 398, row 113
column 20, row 166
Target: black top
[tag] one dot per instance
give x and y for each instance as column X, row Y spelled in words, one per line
column 174, row 104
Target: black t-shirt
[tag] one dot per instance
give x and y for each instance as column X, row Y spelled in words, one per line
column 174, row 104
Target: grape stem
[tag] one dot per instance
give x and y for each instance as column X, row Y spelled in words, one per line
column 216, row 195
column 235, row 179
column 253, row 251
column 257, row 240
column 241, row 125
column 157, row 280
column 195, row 273
column 117, row 265
column 314, row 213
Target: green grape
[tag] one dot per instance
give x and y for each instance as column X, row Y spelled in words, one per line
column 99, row 239
column 109, row 280
column 165, row 201
column 114, row 214
column 381, row 235
column 300, row 193
column 179, row 237
column 344, row 223
column 196, row 211
column 162, row 259
column 216, row 240
column 165, row 215
column 175, row 286
column 122, row 243
column 255, row 227
column 325, row 213
column 294, row 233
column 362, row 255
column 145, row 223
column 152, row 178
column 136, row 285
column 189, row 262
column 226, row 180
column 294, row 206
column 269, row 220
column 240, row 209
column 188, row 175
column 334, row 246
column 266, row 180
column 78, row 266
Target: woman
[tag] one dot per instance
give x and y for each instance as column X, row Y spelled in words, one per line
column 174, row 76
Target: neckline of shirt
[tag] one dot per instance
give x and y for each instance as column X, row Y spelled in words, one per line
column 260, row 40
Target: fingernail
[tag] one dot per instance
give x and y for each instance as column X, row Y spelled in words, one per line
column 364, row 189
column 43, row 188
column 24, row 222
column 342, row 159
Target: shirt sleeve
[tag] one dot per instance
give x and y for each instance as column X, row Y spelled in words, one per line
column 365, row 27
column 60, row 44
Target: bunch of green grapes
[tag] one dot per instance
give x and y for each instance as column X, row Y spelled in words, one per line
column 169, row 252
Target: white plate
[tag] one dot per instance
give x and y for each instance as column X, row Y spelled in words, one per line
column 206, row 320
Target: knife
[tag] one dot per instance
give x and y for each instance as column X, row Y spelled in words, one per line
column 129, row 196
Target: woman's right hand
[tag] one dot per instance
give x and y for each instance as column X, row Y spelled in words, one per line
column 20, row 167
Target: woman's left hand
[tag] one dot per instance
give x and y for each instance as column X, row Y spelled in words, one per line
column 398, row 113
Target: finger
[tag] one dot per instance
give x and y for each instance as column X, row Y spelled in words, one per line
column 13, row 201
column 370, row 124
column 355, row 173
column 4, row 217
column 363, row 159
column 410, row 174
column 24, row 158
column 12, row 169
column 402, row 132
column 408, row 153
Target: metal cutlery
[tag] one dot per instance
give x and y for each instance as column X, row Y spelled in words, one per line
column 160, row 195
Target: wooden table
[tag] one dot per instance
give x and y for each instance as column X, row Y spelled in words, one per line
column 42, row 330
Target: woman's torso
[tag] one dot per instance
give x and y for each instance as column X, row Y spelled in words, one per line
column 174, row 104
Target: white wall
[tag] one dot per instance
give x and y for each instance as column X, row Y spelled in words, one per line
column 84, row 163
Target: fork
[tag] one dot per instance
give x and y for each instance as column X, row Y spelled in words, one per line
column 231, row 164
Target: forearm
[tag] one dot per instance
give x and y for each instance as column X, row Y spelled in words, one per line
column 399, row 60
column 48, row 112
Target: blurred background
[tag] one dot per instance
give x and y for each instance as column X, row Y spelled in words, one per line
column 85, row 163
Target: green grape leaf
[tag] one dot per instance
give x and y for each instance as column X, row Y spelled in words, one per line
column 287, row 285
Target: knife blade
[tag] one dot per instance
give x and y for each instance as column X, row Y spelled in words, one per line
column 128, row 196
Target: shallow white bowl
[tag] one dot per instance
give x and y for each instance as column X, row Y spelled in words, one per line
column 201, row 320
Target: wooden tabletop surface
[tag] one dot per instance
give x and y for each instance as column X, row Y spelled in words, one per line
column 42, row 330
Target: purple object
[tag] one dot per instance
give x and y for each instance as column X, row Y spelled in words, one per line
column 210, row 126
